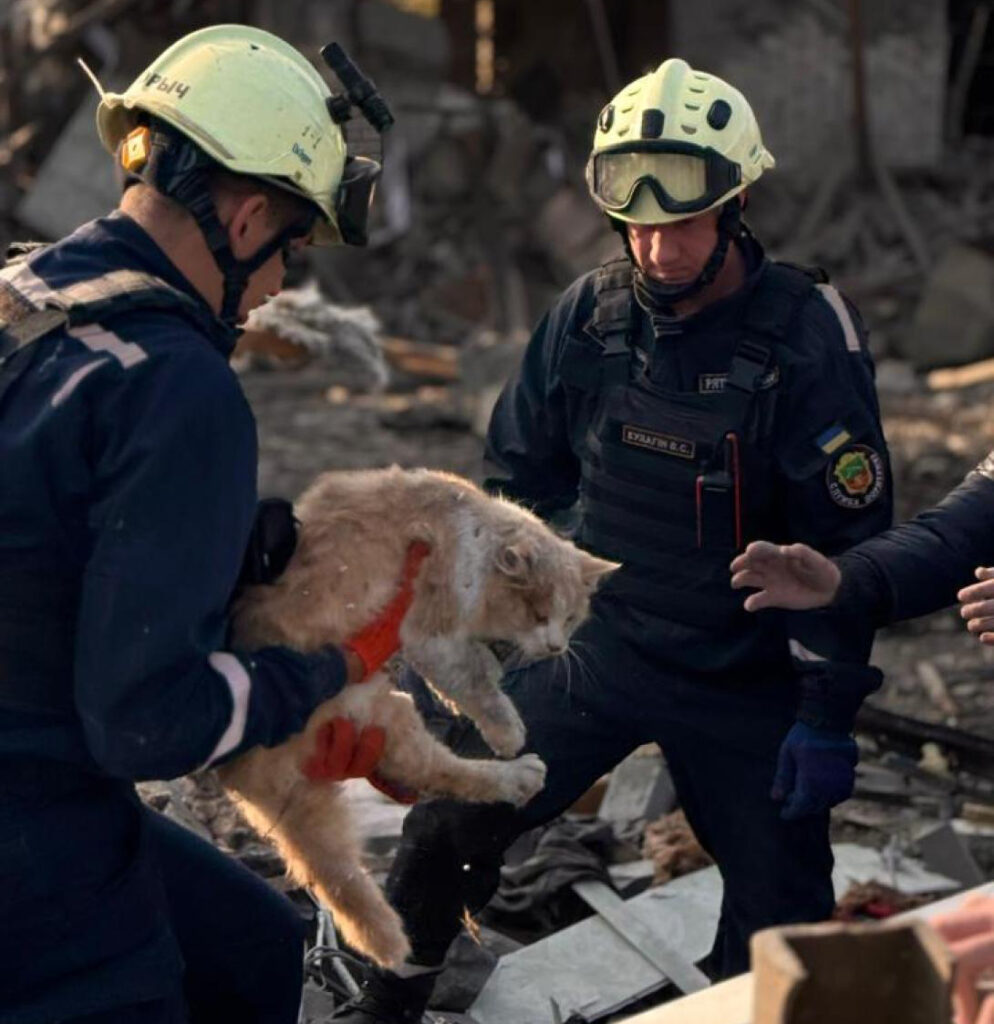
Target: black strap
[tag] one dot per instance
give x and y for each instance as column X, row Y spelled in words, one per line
column 613, row 319
column 778, row 297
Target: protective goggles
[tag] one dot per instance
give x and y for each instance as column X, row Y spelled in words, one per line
column 684, row 178
column 355, row 197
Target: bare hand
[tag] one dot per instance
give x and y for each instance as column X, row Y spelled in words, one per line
column 977, row 601
column 786, row 575
column 969, row 934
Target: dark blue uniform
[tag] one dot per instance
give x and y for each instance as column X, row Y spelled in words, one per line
column 678, row 441
column 127, row 494
column 919, row 566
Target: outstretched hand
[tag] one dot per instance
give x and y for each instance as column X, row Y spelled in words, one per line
column 969, row 934
column 977, row 606
column 790, row 576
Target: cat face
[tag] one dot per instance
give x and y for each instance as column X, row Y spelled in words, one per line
column 537, row 591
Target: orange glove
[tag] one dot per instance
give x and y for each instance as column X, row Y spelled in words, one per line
column 343, row 754
column 378, row 641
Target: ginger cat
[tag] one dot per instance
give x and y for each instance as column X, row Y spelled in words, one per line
column 495, row 573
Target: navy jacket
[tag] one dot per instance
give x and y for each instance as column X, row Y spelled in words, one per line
column 128, row 472
column 919, row 566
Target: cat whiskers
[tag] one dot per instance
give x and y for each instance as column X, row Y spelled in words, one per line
column 573, row 651
column 568, row 656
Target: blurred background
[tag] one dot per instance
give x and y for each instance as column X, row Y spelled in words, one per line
column 880, row 114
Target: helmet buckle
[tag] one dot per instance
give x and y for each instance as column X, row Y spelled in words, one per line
column 136, row 149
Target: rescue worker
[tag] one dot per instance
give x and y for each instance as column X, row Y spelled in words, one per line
column 127, row 498
column 914, row 569
column 690, row 397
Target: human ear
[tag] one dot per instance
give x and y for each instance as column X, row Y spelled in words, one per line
column 249, row 225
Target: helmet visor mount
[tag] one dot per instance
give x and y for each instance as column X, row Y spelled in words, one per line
column 684, row 178
column 355, row 197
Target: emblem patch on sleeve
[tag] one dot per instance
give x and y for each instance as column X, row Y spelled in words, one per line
column 855, row 477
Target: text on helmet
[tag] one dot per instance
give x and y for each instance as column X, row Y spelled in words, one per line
column 166, row 85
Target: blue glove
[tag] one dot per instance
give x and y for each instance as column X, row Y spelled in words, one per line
column 816, row 770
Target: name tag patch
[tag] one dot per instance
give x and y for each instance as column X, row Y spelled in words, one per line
column 665, row 444
column 715, row 383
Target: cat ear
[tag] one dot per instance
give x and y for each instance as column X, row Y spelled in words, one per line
column 516, row 560
column 593, row 570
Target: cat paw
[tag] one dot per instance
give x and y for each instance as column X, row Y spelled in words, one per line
column 519, row 780
column 505, row 738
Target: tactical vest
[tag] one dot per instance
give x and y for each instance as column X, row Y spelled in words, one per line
column 39, row 594
column 673, row 483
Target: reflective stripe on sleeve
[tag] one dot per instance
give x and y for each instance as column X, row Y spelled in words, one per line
column 801, row 653
column 234, row 674
column 96, row 339
column 835, row 300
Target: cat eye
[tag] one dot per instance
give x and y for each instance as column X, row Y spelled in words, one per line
column 540, row 619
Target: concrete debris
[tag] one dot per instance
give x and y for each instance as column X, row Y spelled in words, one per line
column 306, row 326
column 873, row 901
column 485, row 363
column 631, row 877
column 896, row 377
column 589, row 968
column 593, row 968
column 573, row 234
column 76, row 183
column 954, row 322
column 638, row 788
column 666, row 958
column 943, row 849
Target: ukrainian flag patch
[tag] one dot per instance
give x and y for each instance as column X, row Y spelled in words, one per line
column 832, row 439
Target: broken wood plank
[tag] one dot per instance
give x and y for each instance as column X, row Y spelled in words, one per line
column 823, row 973
column 422, row 359
column 961, row 376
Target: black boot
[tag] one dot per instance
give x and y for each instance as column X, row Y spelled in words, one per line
column 387, row 999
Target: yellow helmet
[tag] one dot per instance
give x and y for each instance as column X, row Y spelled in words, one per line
column 672, row 144
column 252, row 103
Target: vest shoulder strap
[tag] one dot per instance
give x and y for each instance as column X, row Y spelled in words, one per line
column 612, row 318
column 31, row 309
column 778, row 297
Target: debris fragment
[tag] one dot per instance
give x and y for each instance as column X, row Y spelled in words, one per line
column 302, row 325
column 673, row 848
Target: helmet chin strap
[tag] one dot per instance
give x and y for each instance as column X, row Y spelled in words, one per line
column 235, row 272
column 178, row 169
column 655, row 296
